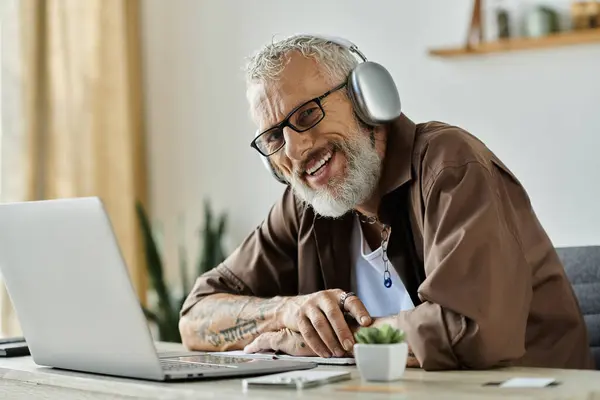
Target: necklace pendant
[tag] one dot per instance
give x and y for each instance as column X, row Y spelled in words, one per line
column 387, row 279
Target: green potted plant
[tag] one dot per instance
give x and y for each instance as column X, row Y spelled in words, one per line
column 380, row 353
column 165, row 315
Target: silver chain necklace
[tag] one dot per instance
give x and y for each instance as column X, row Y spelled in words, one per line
column 385, row 236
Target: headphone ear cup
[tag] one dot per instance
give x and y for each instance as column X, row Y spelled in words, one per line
column 374, row 94
column 267, row 163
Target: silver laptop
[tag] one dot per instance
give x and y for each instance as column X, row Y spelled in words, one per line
column 73, row 297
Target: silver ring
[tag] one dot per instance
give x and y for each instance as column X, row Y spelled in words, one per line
column 344, row 297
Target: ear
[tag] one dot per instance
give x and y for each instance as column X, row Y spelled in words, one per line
column 279, row 176
column 274, row 171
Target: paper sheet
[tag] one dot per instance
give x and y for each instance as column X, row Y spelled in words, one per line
column 527, row 382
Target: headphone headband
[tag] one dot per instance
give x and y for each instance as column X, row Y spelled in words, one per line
column 340, row 41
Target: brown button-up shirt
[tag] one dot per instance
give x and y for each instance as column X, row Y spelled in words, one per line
column 488, row 287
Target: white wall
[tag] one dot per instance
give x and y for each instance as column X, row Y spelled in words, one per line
column 539, row 111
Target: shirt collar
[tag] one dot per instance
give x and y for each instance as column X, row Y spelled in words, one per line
column 397, row 164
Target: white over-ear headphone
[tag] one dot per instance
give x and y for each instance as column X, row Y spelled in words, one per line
column 371, row 89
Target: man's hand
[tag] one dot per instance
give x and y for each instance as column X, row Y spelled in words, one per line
column 285, row 341
column 411, row 361
column 320, row 320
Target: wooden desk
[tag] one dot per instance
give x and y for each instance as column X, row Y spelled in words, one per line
column 20, row 379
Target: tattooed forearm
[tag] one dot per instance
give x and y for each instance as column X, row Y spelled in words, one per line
column 227, row 322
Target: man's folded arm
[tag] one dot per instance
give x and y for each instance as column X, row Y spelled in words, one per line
column 224, row 311
column 478, row 288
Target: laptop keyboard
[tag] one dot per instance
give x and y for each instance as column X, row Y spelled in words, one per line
column 201, row 362
column 168, row 365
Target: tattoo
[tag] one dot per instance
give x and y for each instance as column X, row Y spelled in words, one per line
column 245, row 313
column 267, row 306
column 206, row 335
column 302, row 344
column 238, row 332
column 214, row 339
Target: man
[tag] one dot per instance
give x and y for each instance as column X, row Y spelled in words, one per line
column 424, row 223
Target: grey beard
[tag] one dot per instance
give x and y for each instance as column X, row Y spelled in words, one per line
column 342, row 194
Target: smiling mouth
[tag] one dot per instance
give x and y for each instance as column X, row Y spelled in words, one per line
column 319, row 165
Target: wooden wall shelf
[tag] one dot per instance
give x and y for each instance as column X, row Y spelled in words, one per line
column 560, row 39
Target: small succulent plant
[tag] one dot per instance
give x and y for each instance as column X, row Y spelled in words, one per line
column 384, row 335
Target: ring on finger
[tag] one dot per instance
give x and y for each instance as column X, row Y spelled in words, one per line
column 344, row 297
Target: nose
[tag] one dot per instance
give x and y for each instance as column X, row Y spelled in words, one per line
column 297, row 144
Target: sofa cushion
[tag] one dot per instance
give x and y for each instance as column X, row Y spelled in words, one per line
column 582, row 266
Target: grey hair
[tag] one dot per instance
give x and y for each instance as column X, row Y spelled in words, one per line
column 270, row 61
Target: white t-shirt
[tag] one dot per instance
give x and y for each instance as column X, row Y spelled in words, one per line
column 367, row 279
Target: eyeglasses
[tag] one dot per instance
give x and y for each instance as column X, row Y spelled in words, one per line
column 300, row 119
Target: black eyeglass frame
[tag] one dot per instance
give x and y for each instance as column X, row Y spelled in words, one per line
column 286, row 121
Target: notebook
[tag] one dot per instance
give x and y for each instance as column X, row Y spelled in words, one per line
column 275, row 356
column 13, row 347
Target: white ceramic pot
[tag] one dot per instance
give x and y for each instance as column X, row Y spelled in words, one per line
column 381, row 362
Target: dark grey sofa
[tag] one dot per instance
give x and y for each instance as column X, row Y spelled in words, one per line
column 582, row 265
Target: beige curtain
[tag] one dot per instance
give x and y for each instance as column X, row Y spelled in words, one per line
column 11, row 184
column 82, row 92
